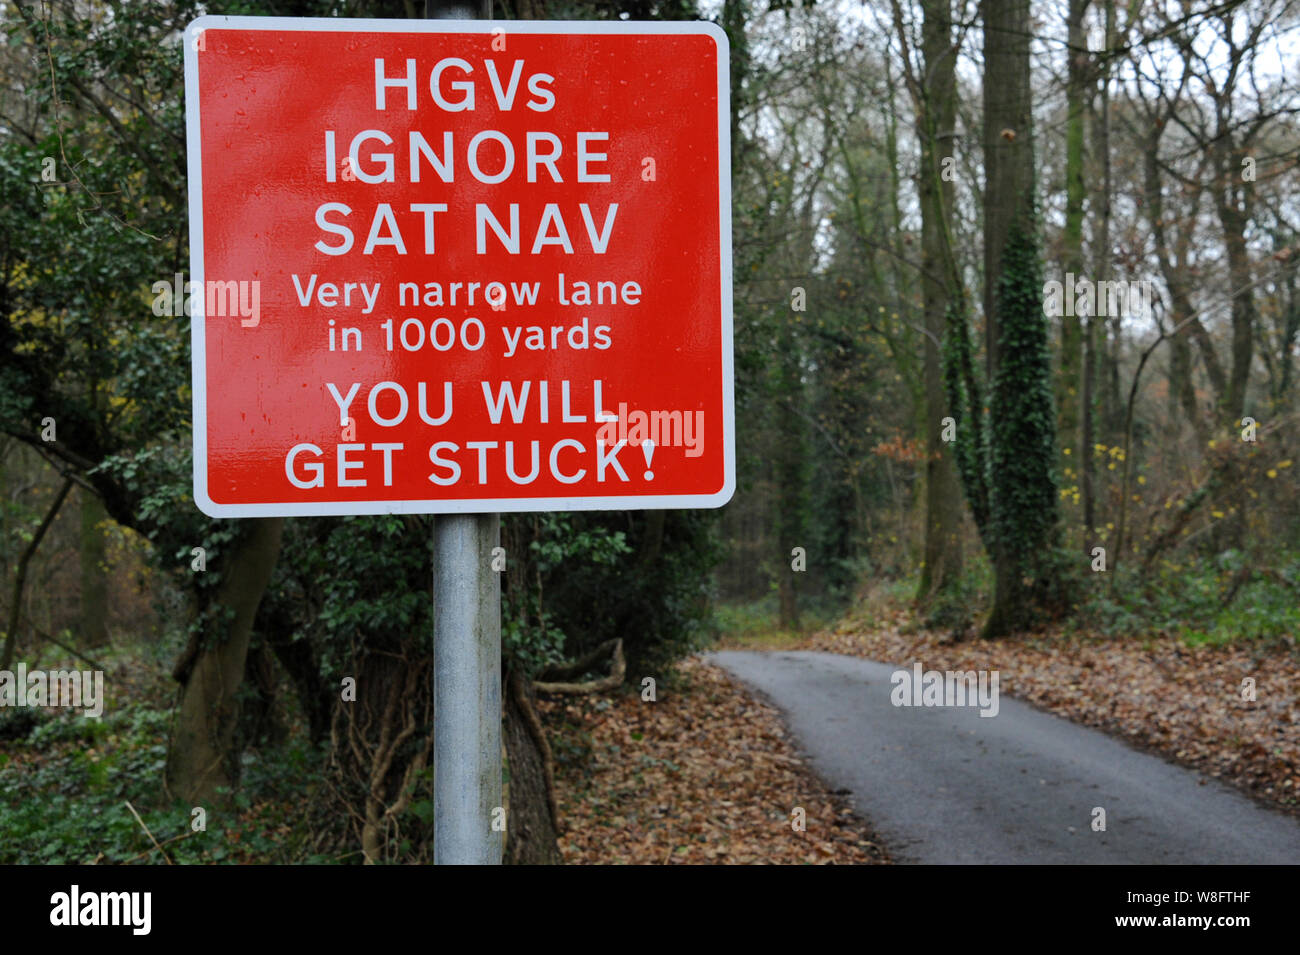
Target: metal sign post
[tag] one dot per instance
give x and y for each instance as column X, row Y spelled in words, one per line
column 466, row 665
column 466, row 690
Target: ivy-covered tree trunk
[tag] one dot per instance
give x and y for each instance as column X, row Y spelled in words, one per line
column 1022, row 447
column 1022, row 422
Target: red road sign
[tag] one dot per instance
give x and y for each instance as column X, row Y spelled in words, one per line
column 454, row 266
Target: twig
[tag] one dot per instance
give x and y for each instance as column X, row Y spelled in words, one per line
column 183, row 835
column 147, row 832
column 58, row 643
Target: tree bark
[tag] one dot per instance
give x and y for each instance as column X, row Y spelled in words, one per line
column 1102, row 382
column 532, row 826
column 791, row 491
column 201, row 757
column 1008, row 153
column 1021, row 421
column 1232, row 201
column 936, row 118
column 1088, row 435
column 1071, row 389
column 1173, row 268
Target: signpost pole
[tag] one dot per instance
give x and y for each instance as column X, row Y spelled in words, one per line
column 466, row 690
column 466, row 660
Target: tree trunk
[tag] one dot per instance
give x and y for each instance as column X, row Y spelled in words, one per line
column 300, row 662
column 791, row 493
column 936, row 119
column 20, row 576
column 1182, row 392
column 1173, row 268
column 532, row 825
column 1233, row 220
column 1070, row 387
column 1088, row 435
column 201, row 757
column 1022, row 425
column 1103, row 384
column 1008, row 151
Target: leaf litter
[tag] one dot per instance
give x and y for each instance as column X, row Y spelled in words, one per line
column 706, row 774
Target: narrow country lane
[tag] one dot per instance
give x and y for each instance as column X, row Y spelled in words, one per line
column 945, row 785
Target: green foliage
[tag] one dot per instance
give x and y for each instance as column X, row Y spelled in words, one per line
column 348, row 582
column 531, row 636
column 81, row 342
column 955, row 607
column 1187, row 598
column 756, row 623
column 65, row 785
column 641, row 576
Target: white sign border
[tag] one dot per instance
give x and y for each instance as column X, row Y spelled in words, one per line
column 198, row 340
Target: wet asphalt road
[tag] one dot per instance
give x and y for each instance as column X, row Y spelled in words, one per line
column 945, row 785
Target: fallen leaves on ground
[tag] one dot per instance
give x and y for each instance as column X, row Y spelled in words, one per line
column 704, row 774
column 1182, row 702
